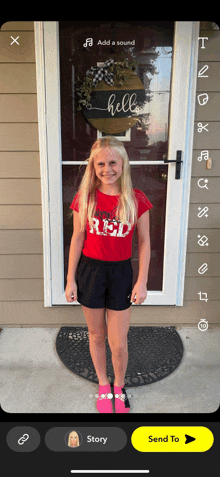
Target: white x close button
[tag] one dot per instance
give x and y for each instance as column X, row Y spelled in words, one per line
column 15, row 40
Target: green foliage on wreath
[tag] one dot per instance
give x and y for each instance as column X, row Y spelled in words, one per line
column 86, row 88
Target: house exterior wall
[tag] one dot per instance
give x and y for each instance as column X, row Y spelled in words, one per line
column 21, row 239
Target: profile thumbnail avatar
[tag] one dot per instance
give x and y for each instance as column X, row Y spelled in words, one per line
column 74, row 439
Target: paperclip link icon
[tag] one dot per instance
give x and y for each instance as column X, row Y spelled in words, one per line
column 23, row 439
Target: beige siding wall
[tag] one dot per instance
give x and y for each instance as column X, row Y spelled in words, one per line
column 21, row 244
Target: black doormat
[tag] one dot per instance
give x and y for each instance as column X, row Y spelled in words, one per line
column 153, row 354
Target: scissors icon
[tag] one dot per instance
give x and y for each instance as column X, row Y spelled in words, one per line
column 205, row 181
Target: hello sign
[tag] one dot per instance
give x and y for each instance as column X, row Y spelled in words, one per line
column 115, row 108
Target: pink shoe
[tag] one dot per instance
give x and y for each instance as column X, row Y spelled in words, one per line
column 104, row 401
column 121, row 400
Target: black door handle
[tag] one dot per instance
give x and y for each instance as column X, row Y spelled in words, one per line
column 178, row 163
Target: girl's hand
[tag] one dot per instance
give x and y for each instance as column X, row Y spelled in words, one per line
column 71, row 291
column 140, row 291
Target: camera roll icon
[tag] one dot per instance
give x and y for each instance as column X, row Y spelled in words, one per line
column 203, row 325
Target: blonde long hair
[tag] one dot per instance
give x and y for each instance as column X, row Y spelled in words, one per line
column 127, row 205
column 74, row 434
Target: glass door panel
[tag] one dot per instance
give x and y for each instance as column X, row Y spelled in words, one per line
column 146, row 142
column 148, row 139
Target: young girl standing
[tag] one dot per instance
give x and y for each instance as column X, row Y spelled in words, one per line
column 106, row 210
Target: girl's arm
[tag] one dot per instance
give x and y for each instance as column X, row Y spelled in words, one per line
column 76, row 246
column 140, row 291
column 143, row 227
column 144, row 261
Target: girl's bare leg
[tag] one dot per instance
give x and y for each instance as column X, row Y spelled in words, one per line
column 95, row 318
column 118, row 325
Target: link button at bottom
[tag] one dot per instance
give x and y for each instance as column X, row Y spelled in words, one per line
column 23, row 439
column 172, row 439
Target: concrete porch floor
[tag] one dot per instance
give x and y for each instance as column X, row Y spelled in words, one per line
column 34, row 380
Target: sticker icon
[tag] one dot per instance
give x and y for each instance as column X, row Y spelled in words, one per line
column 203, row 99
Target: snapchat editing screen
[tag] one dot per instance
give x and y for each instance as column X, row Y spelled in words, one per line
column 109, row 286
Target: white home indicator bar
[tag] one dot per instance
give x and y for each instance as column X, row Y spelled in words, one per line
column 110, row 471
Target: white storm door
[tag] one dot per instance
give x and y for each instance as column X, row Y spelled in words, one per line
column 181, row 127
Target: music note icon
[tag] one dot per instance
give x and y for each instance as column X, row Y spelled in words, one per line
column 204, row 155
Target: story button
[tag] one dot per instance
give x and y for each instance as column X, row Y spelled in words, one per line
column 85, row 439
column 172, row 439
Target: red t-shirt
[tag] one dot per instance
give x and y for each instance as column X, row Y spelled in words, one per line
column 109, row 239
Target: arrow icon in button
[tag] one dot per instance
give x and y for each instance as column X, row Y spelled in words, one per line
column 189, row 439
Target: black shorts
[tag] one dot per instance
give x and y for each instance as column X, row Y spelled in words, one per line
column 102, row 284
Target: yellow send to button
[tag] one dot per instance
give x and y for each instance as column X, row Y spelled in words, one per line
column 172, row 439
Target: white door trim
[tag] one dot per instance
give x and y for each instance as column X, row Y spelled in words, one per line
column 181, row 126
column 188, row 156
column 184, row 74
column 44, row 168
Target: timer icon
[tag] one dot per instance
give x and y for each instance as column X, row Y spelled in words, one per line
column 203, row 325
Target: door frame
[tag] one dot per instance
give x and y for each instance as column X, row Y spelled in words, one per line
column 182, row 112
